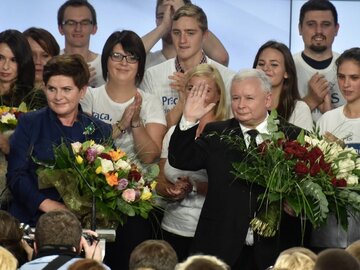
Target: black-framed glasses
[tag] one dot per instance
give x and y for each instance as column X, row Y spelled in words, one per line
column 118, row 57
column 73, row 23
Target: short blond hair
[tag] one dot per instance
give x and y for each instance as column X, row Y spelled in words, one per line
column 354, row 249
column 294, row 261
column 7, row 260
column 202, row 262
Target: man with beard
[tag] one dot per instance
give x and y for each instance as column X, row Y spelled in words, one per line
column 315, row 65
column 165, row 9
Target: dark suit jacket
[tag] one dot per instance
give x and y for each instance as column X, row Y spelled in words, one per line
column 230, row 204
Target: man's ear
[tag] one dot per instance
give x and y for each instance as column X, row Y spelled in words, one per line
column 268, row 100
column 300, row 30
column 93, row 32
column 61, row 31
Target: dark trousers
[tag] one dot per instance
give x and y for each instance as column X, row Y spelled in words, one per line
column 181, row 244
column 128, row 236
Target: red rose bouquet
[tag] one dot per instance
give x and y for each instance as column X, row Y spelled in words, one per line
column 315, row 177
column 90, row 171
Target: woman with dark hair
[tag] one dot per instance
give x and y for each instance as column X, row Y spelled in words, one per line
column 17, row 70
column 275, row 59
column 66, row 78
column 16, row 82
column 138, row 122
column 43, row 46
column 136, row 116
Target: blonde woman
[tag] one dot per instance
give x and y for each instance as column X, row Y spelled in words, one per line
column 186, row 190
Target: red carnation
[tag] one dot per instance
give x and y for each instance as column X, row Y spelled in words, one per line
column 314, row 155
column 134, row 175
column 301, row 168
column 314, row 169
column 338, row 183
column 105, row 156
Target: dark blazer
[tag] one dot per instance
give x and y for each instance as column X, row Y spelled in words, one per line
column 230, row 204
column 35, row 136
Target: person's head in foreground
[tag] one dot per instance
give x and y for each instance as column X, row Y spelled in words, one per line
column 153, row 255
column 202, row 262
column 336, row 259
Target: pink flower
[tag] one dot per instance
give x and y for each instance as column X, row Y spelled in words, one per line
column 123, row 183
column 129, row 195
column 91, row 154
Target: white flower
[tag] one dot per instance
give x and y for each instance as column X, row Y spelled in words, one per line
column 6, row 117
column 106, row 165
column 99, row 148
column 122, row 165
column 358, row 163
column 346, row 165
column 342, row 175
column 76, row 146
column 352, row 180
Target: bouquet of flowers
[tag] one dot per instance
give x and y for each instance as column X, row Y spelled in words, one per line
column 313, row 176
column 90, row 171
column 9, row 116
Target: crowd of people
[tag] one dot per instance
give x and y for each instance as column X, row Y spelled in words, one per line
column 161, row 108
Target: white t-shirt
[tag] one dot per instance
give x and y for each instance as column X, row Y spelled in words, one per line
column 301, row 116
column 154, row 58
column 181, row 217
column 156, row 81
column 101, row 106
column 305, row 72
column 332, row 234
column 96, row 63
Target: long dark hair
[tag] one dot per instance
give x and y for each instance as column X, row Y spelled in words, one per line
column 25, row 66
column 289, row 92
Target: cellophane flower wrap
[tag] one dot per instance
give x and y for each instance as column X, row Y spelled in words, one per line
column 118, row 185
column 313, row 176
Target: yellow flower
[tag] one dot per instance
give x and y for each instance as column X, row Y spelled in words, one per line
column 79, row 159
column 4, row 109
column 153, row 185
column 98, row 170
column 112, row 179
column 146, row 194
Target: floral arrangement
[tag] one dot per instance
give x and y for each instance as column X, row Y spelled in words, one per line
column 313, row 176
column 87, row 171
column 9, row 116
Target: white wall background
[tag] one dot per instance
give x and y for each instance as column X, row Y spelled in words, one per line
column 242, row 25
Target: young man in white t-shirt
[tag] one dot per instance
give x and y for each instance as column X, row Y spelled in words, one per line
column 77, row 22
column 315, row 65
column 165, row 9
column 189, row 32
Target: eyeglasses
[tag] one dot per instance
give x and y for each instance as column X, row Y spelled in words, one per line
column 75, row 23
column 118, row 57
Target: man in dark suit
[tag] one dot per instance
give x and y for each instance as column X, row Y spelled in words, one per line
column 223, row 228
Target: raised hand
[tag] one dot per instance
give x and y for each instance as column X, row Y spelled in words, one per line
column 196, row 105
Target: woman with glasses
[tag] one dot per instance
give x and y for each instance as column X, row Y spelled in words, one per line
column 138, row 121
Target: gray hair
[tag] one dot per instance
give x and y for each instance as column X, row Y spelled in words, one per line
column 254, row 74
